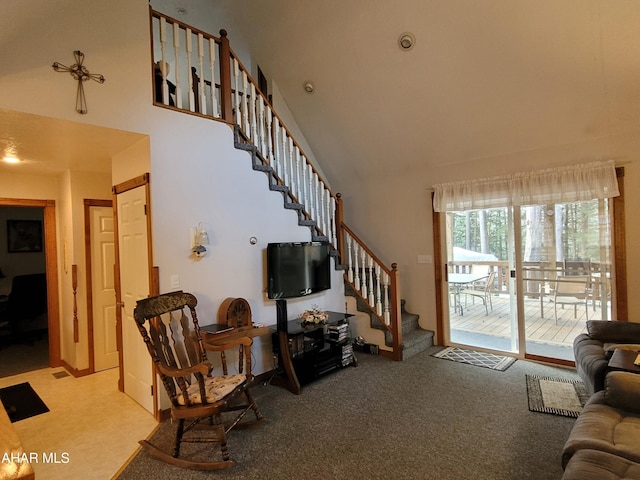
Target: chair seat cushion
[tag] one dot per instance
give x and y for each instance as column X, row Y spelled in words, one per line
column 216, row 388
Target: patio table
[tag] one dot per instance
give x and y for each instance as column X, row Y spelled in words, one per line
column 457, row 281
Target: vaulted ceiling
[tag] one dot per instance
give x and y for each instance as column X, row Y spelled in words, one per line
column 485, row 79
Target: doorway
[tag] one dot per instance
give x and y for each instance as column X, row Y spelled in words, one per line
column 548, row 268
column 40, row 257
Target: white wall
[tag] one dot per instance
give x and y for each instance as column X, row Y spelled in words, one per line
column 196, row 174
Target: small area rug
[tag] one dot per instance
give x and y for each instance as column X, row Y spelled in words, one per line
column 479, row 359
column 558, row 396
column 21, row 401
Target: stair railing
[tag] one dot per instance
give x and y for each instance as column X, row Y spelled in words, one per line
column 199, row 73
column 377, row 285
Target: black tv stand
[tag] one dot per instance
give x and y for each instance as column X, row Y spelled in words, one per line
column 306, row 353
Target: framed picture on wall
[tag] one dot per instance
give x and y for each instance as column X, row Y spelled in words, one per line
column 24, row 236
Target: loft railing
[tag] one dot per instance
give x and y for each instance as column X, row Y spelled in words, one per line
column 199, row 73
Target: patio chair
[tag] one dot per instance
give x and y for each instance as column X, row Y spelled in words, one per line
column 213, row 404
column 571, row 290
column 483, row 293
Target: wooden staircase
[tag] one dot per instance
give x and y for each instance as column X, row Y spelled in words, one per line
column 214, row 84
column 414, row 338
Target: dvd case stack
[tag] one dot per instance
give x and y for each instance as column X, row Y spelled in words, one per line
column 347, row 354
column 338, row 332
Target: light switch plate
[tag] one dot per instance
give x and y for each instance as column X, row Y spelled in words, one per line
column 425, row 259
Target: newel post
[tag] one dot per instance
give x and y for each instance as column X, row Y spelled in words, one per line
column 339, row 219
column 225, row 78
column 396, row 321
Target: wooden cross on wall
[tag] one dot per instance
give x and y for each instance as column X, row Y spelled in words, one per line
column 81, row 74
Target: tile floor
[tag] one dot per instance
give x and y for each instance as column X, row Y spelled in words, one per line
column 90, row 423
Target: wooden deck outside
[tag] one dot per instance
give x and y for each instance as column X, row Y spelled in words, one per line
column 538, row 328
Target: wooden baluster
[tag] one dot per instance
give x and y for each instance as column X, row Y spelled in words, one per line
column 276, row 147
column 320, row 209
column 340, row 231
column 349, row 255
column 192, row 98
column 245, row 103
column 303, row 186
column 363, row 276
column 269, row 136
column 290, row 152
column 324, row 199
column 378, row 297
column 356, row 270
column 314, row 203
column 212, row 67
column 332, row 222
column 261, row 127
column 254, row 120
column 176, row 50
column 226, row 103
column 163, row 62
column 285, row 156
column 372, row 297
column 298, row 175
column 386, row 301
column 236, row 97
column 202, row 97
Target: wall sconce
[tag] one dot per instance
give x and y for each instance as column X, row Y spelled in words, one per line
column 200, row 238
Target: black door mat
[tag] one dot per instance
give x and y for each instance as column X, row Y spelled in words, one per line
column 21, row 401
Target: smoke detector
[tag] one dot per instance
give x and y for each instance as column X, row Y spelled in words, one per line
column 406, row 41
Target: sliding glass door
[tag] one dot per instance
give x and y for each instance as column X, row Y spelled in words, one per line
column 481, row 257
column 566, row 271
column 526, row 279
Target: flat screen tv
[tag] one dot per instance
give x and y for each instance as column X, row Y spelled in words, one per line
column 297, row 269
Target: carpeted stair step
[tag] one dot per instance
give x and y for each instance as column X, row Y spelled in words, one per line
column 414, row 338
column 415, row 342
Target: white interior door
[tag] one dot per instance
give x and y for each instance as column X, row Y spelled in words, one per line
column 134, row 285
column 103, row 289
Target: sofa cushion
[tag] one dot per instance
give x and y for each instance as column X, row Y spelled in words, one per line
column 614, row 331
column 591, row 362
column 622, row 391
column 603, row 427
column 596, row 465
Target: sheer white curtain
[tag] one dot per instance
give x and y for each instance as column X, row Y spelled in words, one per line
column 574, row 183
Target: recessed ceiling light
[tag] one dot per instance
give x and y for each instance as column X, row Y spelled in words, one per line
column 11, row 159
column 308, row 87
column 406, row 41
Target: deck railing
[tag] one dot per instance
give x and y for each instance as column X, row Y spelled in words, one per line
column 535, row 273
column 200, row 74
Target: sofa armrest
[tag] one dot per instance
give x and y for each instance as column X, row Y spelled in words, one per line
column 614, row 331
column 622, row 391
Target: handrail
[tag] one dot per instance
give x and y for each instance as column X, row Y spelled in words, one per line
column 211, row 81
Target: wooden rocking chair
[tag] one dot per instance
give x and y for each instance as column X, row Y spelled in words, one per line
column 169, row 326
